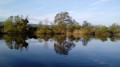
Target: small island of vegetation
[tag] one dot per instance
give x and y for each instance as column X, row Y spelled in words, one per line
column 63, row 24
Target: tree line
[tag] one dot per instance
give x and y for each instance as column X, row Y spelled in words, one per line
column 63, row 24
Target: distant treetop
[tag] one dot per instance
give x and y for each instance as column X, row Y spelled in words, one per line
column 64, row 18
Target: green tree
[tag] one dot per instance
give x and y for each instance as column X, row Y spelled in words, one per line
column 16, row 24
column 114, row 28
column 64, row 18
column 44, row 29
column 103, row 31
column 9, row 25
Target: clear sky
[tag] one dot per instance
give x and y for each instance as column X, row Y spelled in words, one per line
column 103, row 12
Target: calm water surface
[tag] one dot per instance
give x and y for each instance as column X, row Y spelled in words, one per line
column 59, row 51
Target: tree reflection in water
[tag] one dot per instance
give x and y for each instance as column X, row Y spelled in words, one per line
column 17, row 42
column 62, row 44
column 63, row 48
column 84, row 42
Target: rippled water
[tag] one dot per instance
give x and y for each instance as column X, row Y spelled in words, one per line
column 59, row 51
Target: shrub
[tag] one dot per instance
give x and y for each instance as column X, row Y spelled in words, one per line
column 101, row 33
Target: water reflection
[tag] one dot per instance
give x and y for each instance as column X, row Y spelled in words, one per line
column 84, row 41
column 17, row 42
column 62, row 43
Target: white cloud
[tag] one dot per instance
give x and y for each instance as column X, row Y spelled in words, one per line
column 36, row 20
column 98, row 2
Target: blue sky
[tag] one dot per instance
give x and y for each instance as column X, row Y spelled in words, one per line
column 98, row 12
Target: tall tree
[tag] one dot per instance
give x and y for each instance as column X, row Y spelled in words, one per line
column 64, row 18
